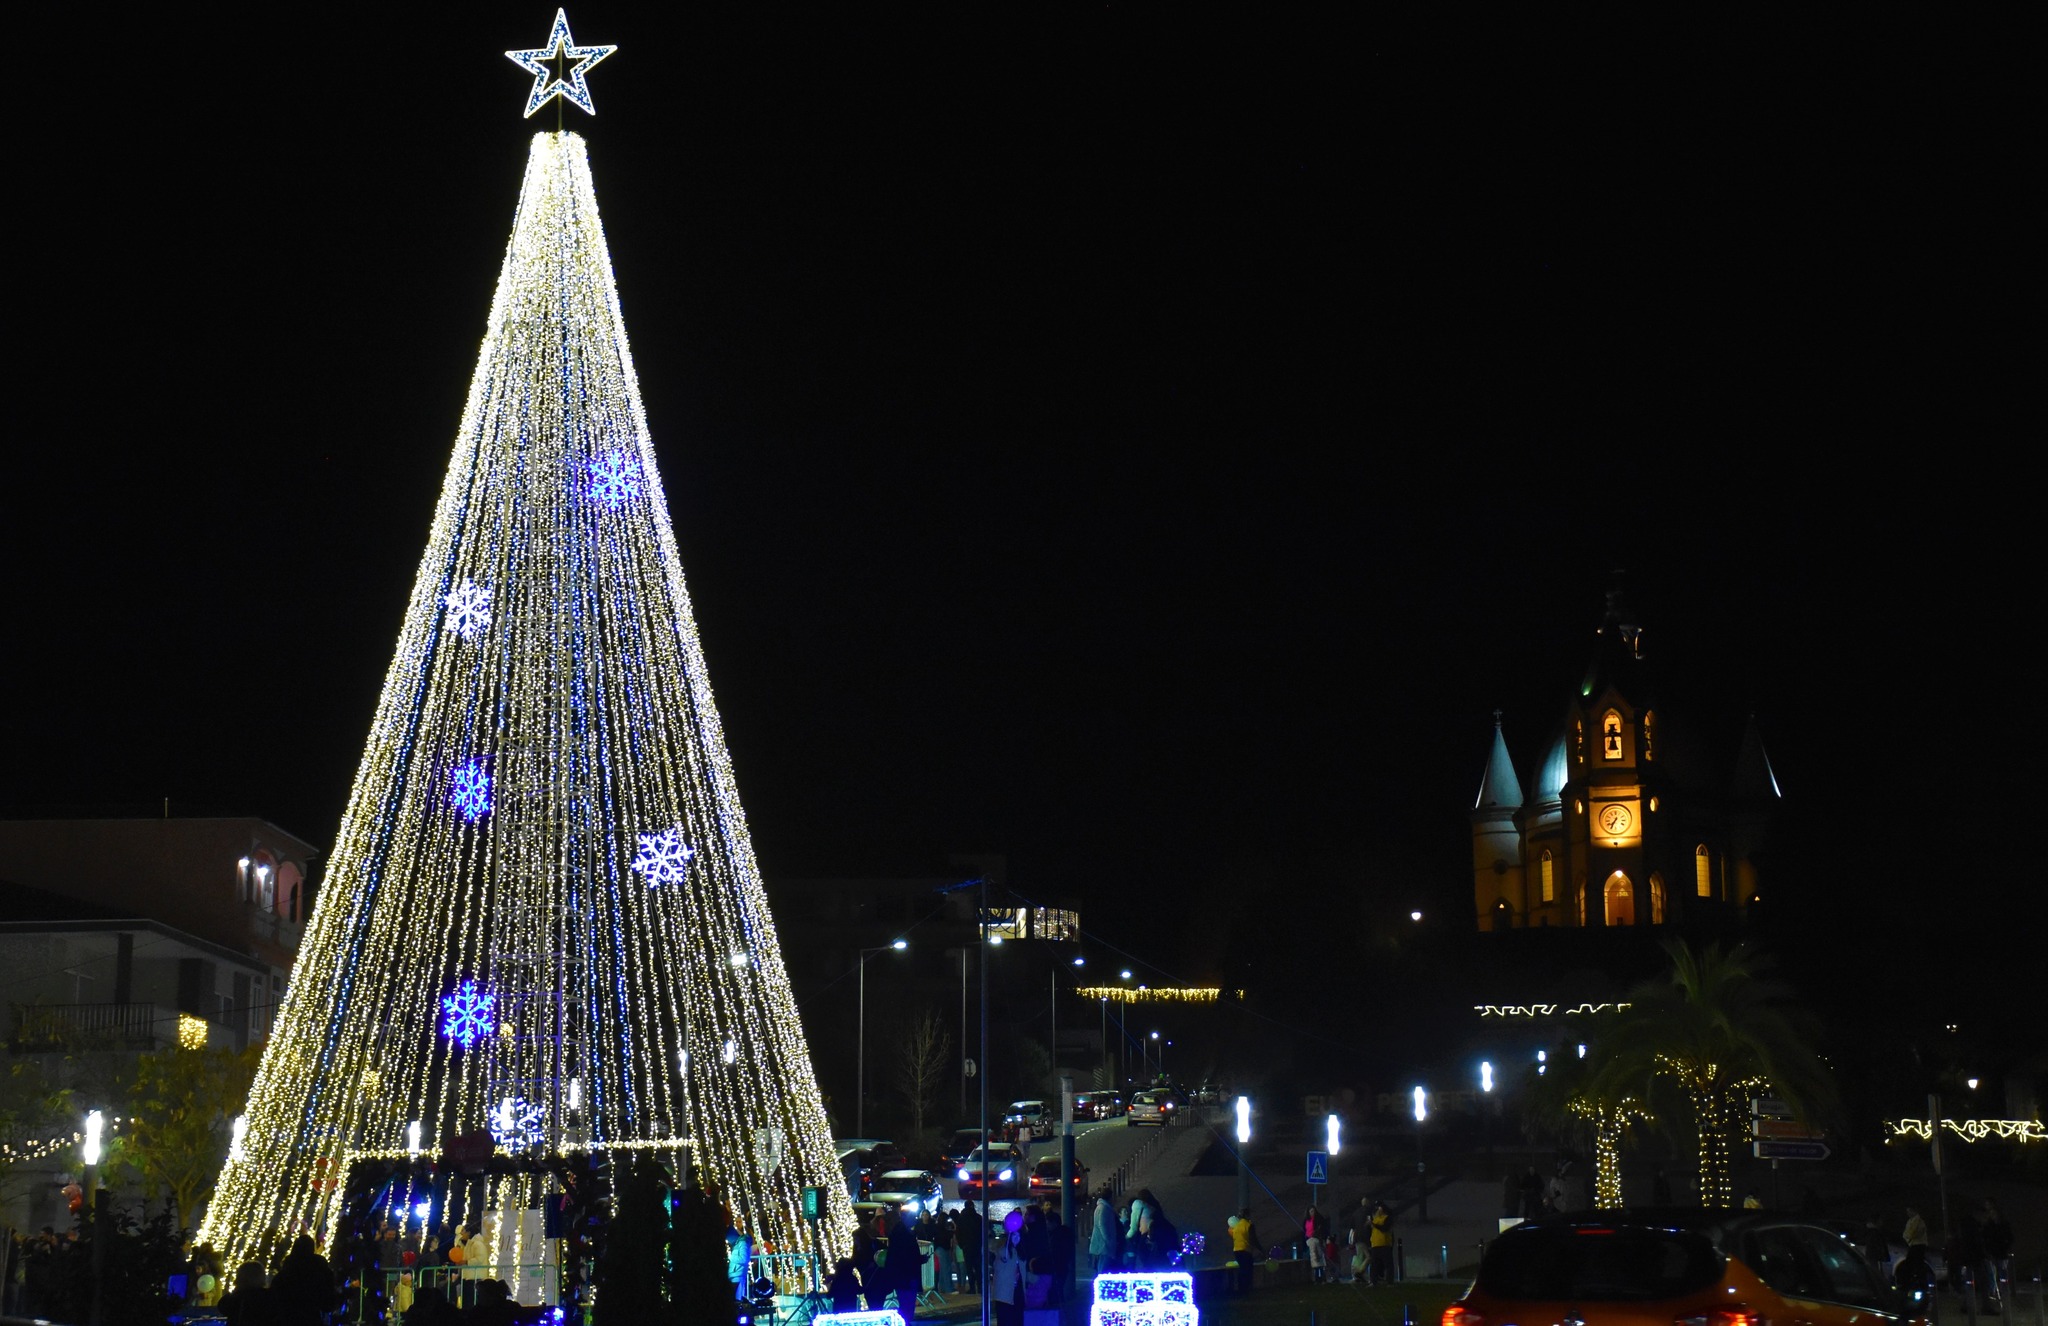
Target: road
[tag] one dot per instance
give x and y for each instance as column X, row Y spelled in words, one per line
column 1099, row 1148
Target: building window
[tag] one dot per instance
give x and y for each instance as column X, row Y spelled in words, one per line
column 1649, row 735
column 1055, row 923
column 1579, row 889
column 1549, row 877
column 1703, row 871
column 1656, row 900
column 1621, row 900
column 1610, row 735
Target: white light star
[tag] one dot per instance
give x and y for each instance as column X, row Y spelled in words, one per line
column 567, row 83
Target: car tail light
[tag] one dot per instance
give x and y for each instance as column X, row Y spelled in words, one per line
column 1736, row 1316
column 1457, row 1314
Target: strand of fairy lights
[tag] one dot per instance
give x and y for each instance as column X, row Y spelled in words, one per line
column 549, row 650
column 1969, row 1130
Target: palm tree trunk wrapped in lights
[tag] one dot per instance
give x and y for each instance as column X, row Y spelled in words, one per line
column 1722, row 1030
column 1611, row 1121
column 542, row 915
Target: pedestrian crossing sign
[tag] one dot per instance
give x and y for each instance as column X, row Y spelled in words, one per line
column 1318, row 1167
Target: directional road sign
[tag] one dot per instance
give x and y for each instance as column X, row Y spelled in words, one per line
column 1318, row 1167
column 1786, row 1130
column 1769, row 1107
column 1790, row 1150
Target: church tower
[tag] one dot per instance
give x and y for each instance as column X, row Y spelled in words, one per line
column 1630, row 819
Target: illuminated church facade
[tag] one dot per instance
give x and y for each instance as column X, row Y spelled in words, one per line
column 1632, row 816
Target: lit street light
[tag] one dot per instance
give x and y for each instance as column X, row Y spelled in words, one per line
column 1421, row 1174
column 860, row 1087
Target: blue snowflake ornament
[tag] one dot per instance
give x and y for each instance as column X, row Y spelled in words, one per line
column 472, row 792
column 613, row 479
column 468, row 1015
column 469, row 609
column 664, row 857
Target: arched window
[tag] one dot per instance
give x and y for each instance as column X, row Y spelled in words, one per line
column 1549, row 877
column 1610, row 735
column 1656, row 900
column 1649, row 735
column 1579, row 889
column 1703, row 871
column 1621, row 900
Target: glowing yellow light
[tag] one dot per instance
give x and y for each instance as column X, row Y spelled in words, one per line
column 191, row 1032
column 581, row 709
column 1123, row 994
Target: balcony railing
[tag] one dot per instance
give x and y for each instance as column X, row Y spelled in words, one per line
column 121, row 1026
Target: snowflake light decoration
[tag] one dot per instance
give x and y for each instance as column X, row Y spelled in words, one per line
column 1142, row 1299
column 554, row 74
column 469, row 609
column 472, row 795
column 469, row 1014
column 664, row 857
column 518, row 1123
column 613, row 479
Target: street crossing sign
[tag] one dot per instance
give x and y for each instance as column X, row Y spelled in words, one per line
column 1318, row 1167
column 1790, row 1150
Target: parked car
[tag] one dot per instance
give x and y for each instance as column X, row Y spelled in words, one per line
column 1003, row 1164
column 964, row 1141
column 1045, row 1177
column 1156, row 1107
column 862, row 1158
column 1718, row 1268
column 906, row 1187
column 1029, row 1120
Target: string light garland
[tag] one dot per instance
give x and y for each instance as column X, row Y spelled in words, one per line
column 1145, row 994
column 523, row 952
column 13, row 1152
column 1542, row 1010
column 1969, row 1130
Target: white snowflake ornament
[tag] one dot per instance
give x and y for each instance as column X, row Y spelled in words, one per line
column 664, row 857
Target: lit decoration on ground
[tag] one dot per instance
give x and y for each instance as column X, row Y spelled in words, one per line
column 612, row 480
column 865, row 1317
column 191, row 1032
column 566, row 82
column 1161, row 1298
column 1542, row 1010
column 664, row 857
column 472, row 794
column 469, row 609
column 1969, row 1130
column 1146, row 994
column 469, row 1015
column 588, row 702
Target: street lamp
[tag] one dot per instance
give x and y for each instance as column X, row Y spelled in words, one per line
column 1244, row 1140
column 1421, row 1176
column 860, row 1060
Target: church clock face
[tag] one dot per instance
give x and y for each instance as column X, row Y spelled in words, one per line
column 1614, row 820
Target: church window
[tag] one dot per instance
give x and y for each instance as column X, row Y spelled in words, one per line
column 1579, row 739
column 1610, row 735
column 1579, row 889
column 1649, row 735
column 1549, row 877
column 1621, row 900
column 1656, row 900
column 1703, row 871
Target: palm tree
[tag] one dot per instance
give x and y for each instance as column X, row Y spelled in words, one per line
column 1570, row 1095
column 1721, row 1028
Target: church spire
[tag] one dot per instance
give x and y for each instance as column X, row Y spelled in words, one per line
column 1499, row 788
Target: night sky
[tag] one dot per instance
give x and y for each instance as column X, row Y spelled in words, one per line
column 1144, row 441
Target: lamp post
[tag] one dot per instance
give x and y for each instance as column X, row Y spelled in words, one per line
column 1244, row 1141
column 860, row 1060
column 1421, row 1175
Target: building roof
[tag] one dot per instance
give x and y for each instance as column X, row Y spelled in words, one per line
column 1499, row 788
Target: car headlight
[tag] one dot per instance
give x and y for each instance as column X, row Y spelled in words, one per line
column 1005, row 1176
column 963, row 1176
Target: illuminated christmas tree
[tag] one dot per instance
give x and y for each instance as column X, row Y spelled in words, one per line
column 542, row 915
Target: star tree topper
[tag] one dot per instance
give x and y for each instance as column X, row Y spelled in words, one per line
column 559, row 67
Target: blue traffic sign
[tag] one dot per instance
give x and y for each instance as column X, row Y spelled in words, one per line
column 1318, row 1167
column 1790, row 1150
